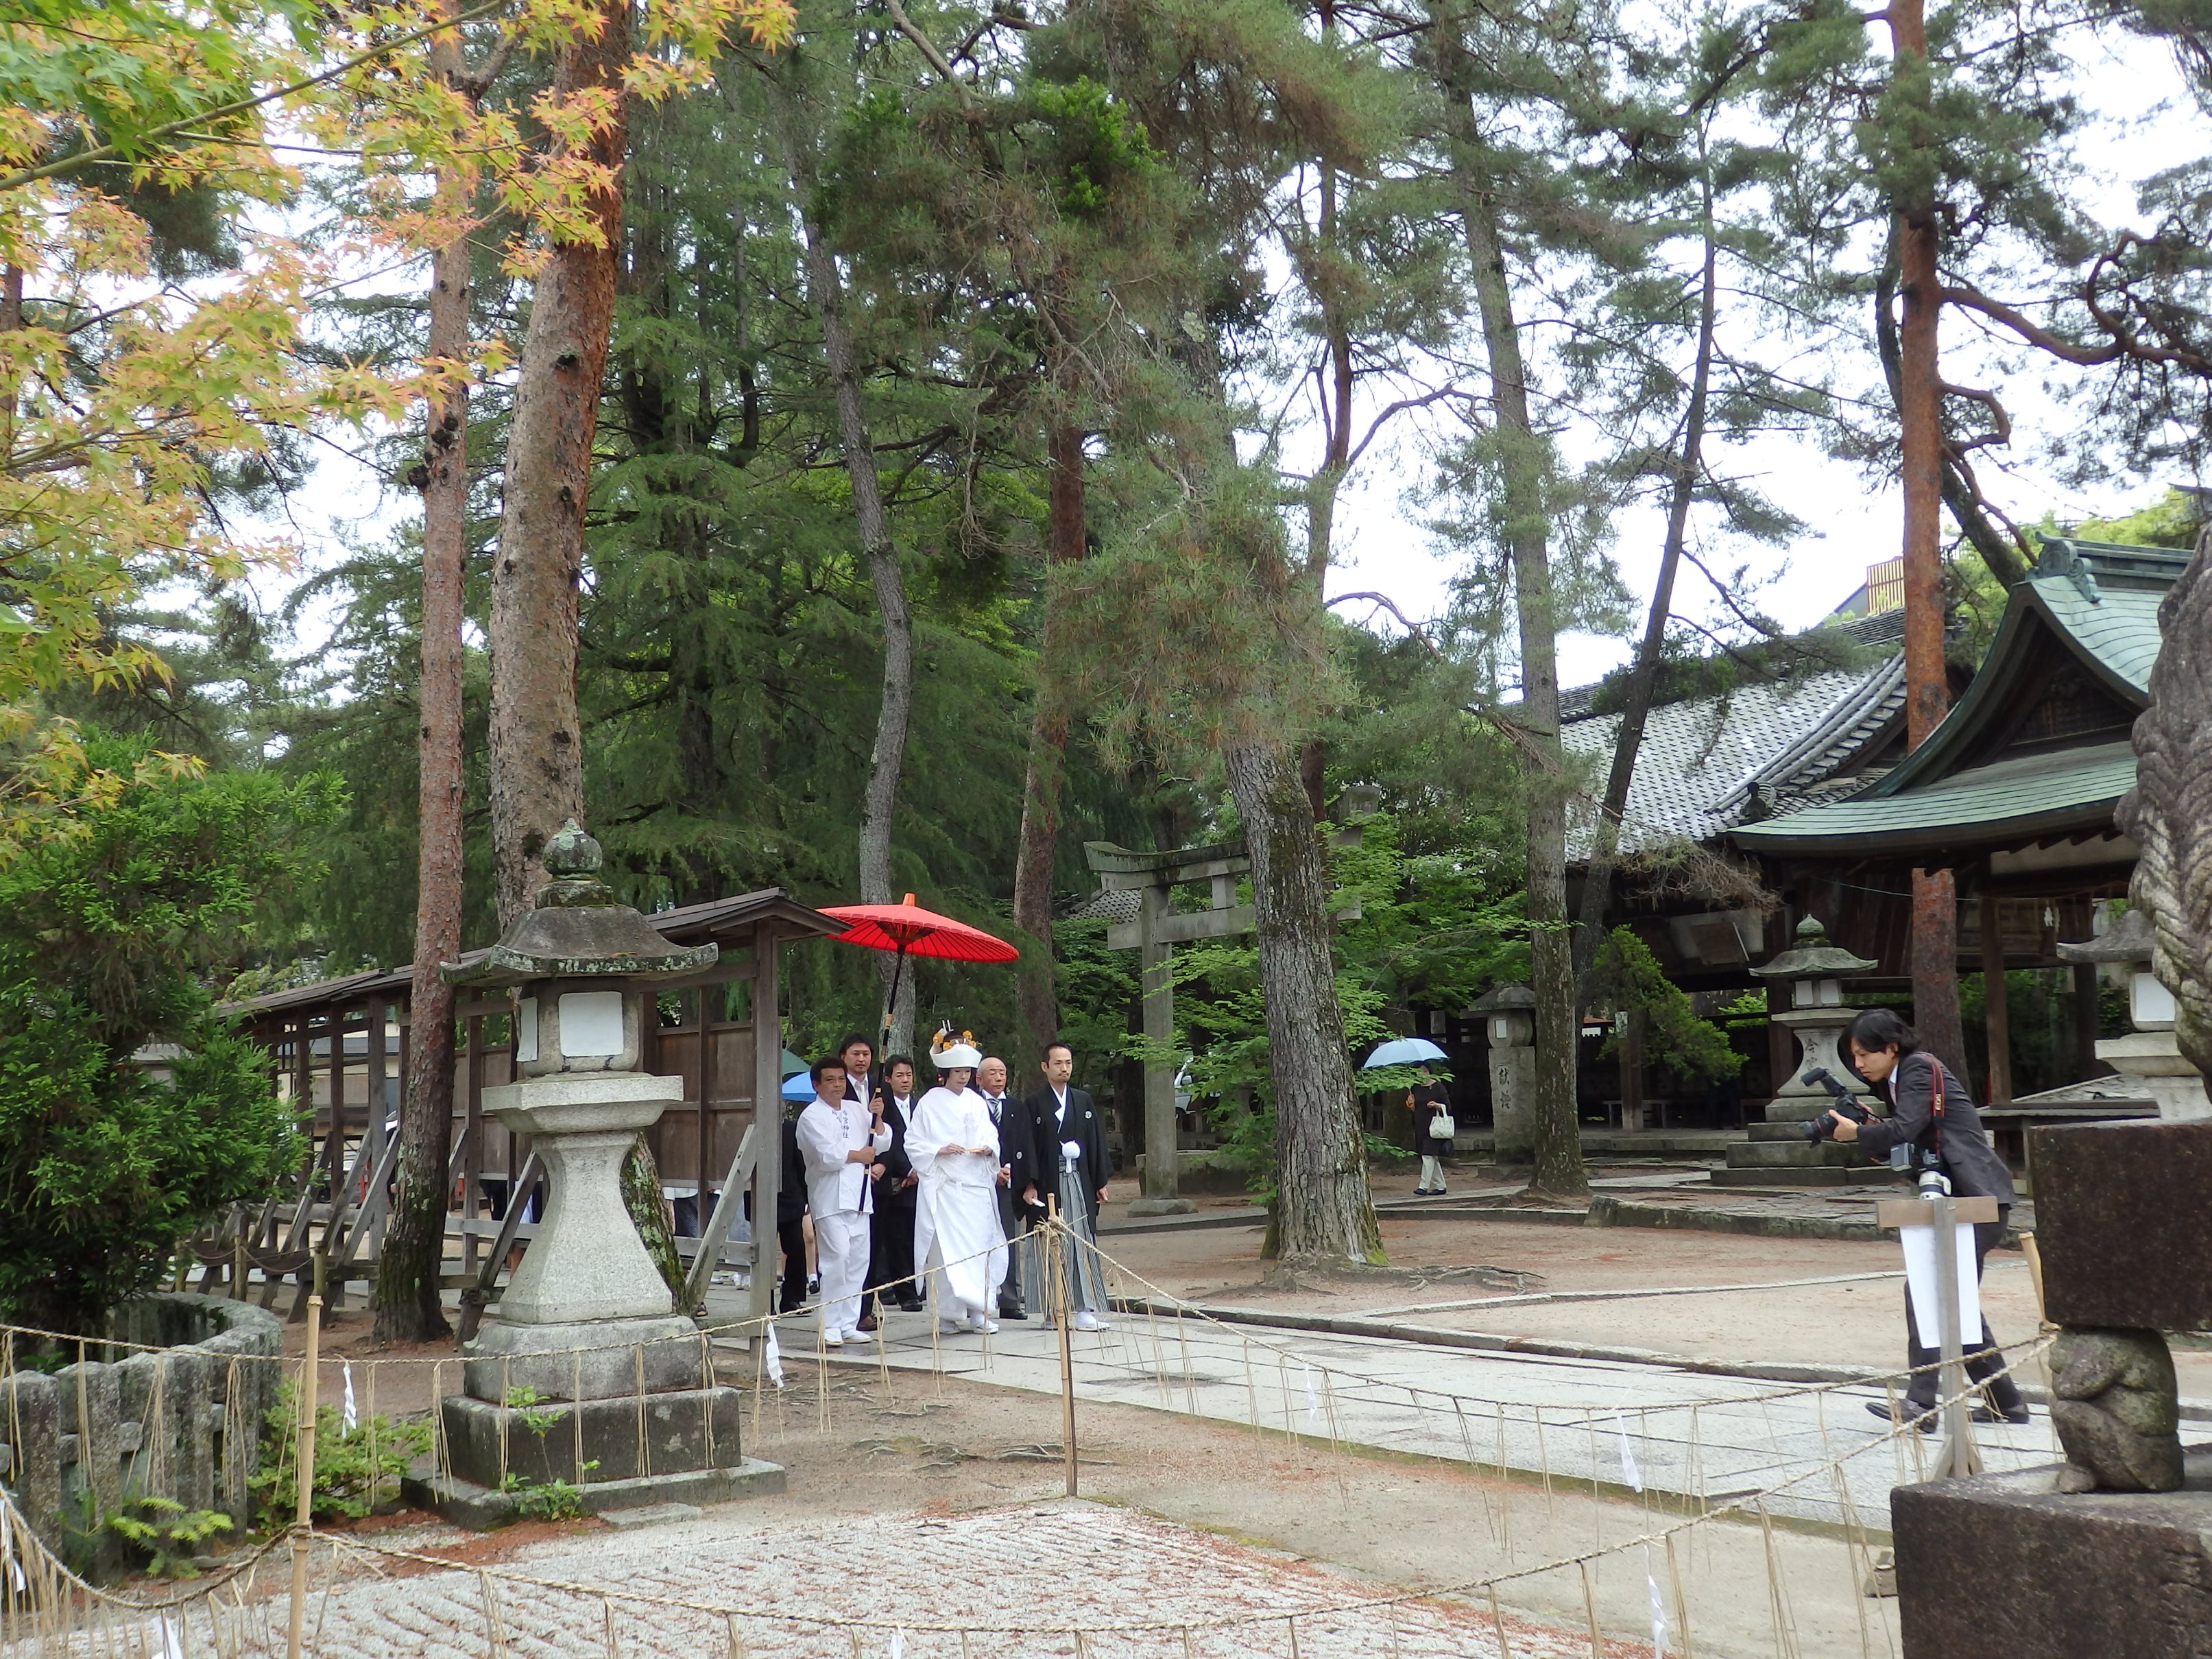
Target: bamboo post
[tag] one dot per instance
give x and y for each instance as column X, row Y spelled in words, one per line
column 303, row 1511
column 2029, row 1249
column 1055, row 1230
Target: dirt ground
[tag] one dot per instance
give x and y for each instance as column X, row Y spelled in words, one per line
column 1437, row 1271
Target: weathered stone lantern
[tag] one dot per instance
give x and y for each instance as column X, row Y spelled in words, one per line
column 2148, row 1057
column 586, row 1331
column 1509, row 1010
column 1813, row 969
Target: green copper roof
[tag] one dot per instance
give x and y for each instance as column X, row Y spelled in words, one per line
column 2118, row 627
column 2028, row 797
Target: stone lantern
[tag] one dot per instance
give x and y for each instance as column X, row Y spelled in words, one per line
column 587, row 1324
column 2148, row 1057
column 1509, row 1010
column 1813, row 969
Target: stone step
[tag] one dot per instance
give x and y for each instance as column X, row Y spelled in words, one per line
column 1778, row 1154
column 1815, row 1174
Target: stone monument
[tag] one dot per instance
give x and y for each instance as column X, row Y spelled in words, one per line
column 1510, row 1012
column 1776, row 1152
column 2149, row 1057
column 584, row 1372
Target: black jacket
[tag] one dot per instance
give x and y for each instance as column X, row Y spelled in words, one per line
column 1046, row 1132
column 1016, row 1150
column 1975, row 1170
column 791, row 1177
column 897, row 1166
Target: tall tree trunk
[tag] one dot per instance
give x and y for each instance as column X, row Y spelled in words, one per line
column 1643, row 675
column 1325, row 1212
column 407, row 1302
column 879, row 800
column 1525, row 460
column 1928, row 690
column 537, row 747
column 1037, row 1008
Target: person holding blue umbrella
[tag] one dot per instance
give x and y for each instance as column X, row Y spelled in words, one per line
column 1431, row 1103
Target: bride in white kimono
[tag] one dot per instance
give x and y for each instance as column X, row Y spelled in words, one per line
column 954, row 1148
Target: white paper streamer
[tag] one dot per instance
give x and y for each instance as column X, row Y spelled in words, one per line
column 773, row 1361
column 173, row 1644
column 351, row 1417
column 1628, row 1456
column 1313, row 1400
column 1658, row 1609
column 7, row 1551
column 898, row 1645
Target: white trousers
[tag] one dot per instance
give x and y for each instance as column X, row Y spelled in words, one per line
column 1432, row 1174
column 840, row 1250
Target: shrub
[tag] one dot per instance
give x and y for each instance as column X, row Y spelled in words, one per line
column 106, row 934
column 355, row 1468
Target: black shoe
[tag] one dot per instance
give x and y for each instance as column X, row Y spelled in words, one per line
column 1924, row 1420
column 1011, row 1313
column 912, row 1305
column 2017, row 1416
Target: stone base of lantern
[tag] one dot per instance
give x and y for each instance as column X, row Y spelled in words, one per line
column 680, row 1446
column 585, row 1358
column 1778, row 1155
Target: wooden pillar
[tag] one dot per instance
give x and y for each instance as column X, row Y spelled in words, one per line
column 1996, row 1014
column 472, row 1134
column 2087, row 1064
column 768, row 1120
column 702, row 1202
column 1631, row 1070
column 1781, row 1045
column 1155, row 960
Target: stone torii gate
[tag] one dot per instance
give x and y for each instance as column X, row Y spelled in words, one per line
column 1153, row 935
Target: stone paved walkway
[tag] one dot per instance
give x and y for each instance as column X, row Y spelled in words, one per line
column 1695, row 1436
column 1012, row 1575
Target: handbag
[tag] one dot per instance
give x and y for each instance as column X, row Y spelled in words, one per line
column 1443, row 1127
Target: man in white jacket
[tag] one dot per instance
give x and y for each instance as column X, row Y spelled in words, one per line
column 841, row 1142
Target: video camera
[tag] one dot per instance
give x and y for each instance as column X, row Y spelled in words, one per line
column 1823, row 1128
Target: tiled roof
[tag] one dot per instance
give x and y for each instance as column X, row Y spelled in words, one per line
column 1700, row 758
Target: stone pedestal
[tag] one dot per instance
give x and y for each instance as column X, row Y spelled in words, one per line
column 2153, row 1062
column 583, row 1372
column 2008, row 1567
column 1510, row 1011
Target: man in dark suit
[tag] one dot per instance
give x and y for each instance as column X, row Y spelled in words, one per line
column 790, row 1221
column 1069, row 1161
column 1016, row 1164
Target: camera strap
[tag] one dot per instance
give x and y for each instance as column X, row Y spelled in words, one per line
column 1936, row 1106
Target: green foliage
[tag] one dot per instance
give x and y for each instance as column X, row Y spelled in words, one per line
column 165, row 1534
column 106, row 935
column 545, row 1500
column 542, row 1500
column 355, row 1468
column 1627, row 975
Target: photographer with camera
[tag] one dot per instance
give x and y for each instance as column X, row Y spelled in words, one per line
column 1933, row 1116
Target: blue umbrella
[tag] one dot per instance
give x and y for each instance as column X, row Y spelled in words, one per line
column 799, row 1085
column 1403, row 1051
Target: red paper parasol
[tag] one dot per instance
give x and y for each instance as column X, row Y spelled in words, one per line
column 906, row 928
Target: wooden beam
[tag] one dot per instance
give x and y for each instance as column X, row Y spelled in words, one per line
column 768, row 1119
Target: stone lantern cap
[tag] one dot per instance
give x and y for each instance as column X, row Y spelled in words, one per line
column 1813, row 957
column 577, row 931
column 2128, row 940
column 1503, row 1000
